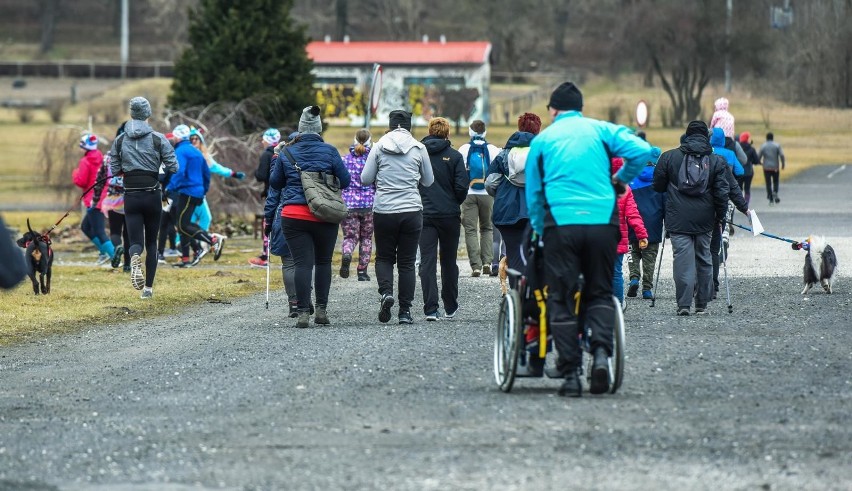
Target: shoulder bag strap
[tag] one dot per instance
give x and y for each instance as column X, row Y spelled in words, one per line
column 291, row 159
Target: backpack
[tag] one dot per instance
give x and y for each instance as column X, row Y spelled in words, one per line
column 477, row 163
column 693, row 178
column 516, row 162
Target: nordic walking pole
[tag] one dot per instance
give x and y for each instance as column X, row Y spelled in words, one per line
column 659, row 266
column 725, row 268
column 267, row 272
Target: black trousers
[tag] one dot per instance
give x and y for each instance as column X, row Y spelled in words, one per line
column 312, row 245
column 771, row 184
column 745, row 185
column 142, row 210
column 188, row 229
column 513, row 237
column 571, row 250
column 444, row 233
column 118, row 232
column 396, row 238
column 715, row 243
column 167, row 226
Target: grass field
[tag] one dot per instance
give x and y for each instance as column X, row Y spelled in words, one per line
column 84, row 295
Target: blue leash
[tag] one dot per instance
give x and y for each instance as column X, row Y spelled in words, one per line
column 796, row 244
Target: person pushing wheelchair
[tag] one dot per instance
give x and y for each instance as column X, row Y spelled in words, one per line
column 571, row 198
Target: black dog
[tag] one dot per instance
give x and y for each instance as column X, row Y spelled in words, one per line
column 39, row 258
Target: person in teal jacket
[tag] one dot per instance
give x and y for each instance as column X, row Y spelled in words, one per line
column 570, row 195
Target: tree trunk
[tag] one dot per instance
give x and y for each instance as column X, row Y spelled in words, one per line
column 342, row 15
column 49, row 11
column 560, row 20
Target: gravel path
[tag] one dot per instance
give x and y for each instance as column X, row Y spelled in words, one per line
column 233, row 397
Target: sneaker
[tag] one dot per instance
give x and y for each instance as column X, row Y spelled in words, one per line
column 363, row 276
column 647, row 294
column 257, row 262
column 701, row 311
column 303, row 320
column 218, row 244
column 486, row 270
column 116, row 258
column 777, row 199
column 475, row 273
column 137, row 279
column 571, row 387
column 683, row 311
column 102, row 259
column 432, row 316
column 126, row 268
column 633, row 288
column 147, row 293
column 600, row 373
column 344, row 265
column 451, row 315
column 185, row 263
column 495, row 270
column 203, row 252
column 405, row 317
column 171, row 253
column 294, row 311
column 321, row 316
column 161, row 259
column 385, row 309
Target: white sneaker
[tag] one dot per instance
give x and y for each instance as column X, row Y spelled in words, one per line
column 147, row 293
column 137, row 279
column 219, row 242
column 103, row 259
column 171, row 253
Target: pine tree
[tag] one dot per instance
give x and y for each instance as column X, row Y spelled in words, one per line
column 246, row 49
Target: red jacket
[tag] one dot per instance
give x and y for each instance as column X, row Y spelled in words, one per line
column 86, row 173
column 628, row 213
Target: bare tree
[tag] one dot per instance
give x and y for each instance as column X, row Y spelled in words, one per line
column 401, row 19
column 49, row 12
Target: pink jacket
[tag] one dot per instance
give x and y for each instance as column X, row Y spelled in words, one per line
column 722, row 118
column 628, row 213
column 86, row 173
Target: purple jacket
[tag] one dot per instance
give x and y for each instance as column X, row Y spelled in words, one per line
column 357, row 195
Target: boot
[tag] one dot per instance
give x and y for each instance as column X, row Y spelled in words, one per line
column 344, row 265
column 304, row 320
column 321, row 316
column 572, row 386
column 600, row 372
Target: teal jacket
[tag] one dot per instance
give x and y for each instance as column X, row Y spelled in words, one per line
column 577, row 183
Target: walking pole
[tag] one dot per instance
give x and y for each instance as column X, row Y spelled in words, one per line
column 725, row 268
column 267, row 273
column 659, row 266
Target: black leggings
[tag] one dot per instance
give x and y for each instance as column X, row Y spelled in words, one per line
column 93, row 225
column 142, row 210
column 118, row 233
column 513, row 236
column 312, row 245
column 188, row 229
column 745, row 185
column 771, row 184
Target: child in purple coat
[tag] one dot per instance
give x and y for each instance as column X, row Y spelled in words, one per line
column 358, row 226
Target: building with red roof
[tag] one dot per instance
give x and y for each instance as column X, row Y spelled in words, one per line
column 415, row 76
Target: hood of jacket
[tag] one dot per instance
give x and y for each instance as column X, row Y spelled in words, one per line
column 435, row 145
column 136, row 129
column 721, row 104
column 717, row 138
column 398, row 142
column 519, row 139
column 695, row 145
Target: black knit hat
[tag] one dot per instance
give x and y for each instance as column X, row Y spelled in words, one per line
column 566, row 97
column 399, row 119
column 697, row 127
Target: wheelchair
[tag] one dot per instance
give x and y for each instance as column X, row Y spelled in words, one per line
column 522, row 313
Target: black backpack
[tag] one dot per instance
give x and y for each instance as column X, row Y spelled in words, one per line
column 693, row 179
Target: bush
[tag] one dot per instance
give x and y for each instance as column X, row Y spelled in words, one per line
column 25, row 115
column 55, row 109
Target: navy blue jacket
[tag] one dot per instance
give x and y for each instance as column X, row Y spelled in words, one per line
column 272, row 214
column 449, row 190
column 651, row 204
column 311, row 154
column 510, row 201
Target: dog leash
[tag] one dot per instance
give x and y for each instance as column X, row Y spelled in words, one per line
column 795, row 243
column 100, row 181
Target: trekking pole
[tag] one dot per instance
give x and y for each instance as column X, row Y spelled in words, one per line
column 722, row 257
column 267, row 272
column 659, row 266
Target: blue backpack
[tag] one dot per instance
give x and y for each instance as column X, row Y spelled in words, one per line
column 477, row 163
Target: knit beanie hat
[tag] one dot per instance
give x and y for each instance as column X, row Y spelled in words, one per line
column 310, row 122
column 181, row 132
column 566, row 97
column 399, row 119
column 89, row 142
column 697, row 128
column 745, row 136
column 530, row 123
column 140, row 108
column 271, row 137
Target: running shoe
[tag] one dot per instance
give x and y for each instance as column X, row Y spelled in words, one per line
column 161, row 259
column 405, row 317
column 432, row 316
column 344, row 265
column 385, row 309
column 451, row 315
column 147, row 293
column 102, row 259
column 218, row 244
column 137, row 279
column 116, row 258
column 257, row 262
column 171, row 253
column 203, row 252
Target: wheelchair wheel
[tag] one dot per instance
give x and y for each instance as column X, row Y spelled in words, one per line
column 616, row 372
column 508, row 341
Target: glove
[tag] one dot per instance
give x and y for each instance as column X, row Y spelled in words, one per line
column 643, row 243
column 267, row 229
column 238, row 175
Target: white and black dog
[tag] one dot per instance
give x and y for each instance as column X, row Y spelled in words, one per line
column 820, row 263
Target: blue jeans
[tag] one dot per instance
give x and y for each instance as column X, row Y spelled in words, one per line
column 618, row 278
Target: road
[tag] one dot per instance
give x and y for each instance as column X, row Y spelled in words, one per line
column 233, row 397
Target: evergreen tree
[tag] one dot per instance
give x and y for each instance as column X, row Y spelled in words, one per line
column 241, row 50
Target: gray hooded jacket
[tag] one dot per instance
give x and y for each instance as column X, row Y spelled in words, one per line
column 138, row 152
column 397, row 163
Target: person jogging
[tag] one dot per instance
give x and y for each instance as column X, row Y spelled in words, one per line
column 89, row 172
column 137, row 156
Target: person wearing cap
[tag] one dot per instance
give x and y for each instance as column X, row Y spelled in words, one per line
column 269, row 140
column 137, row 156
column 397, row 164
column 191, row 183
column 86, row 176
column 571, row 201
column 751, row 160
column 311, row 240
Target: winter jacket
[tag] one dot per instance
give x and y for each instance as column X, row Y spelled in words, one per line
column 735, row 194
column 651, row 204
column 397, row 163
column 510, row 200
column 264, row 168
column 722, row 118
column 577, row 184
column 193, row 176
column 448, row 191
column 717, row 141
column 692, row 214
column 138, row 152
column 13, row 267
column 357, row 196
column 628, row 213
column 272, row 213
column 311, row 154
column 86, row 174
column 770, row 155
column 751, row 158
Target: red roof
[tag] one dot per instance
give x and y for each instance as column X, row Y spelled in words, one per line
column 404, row 52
